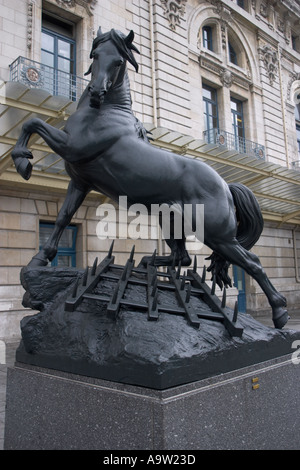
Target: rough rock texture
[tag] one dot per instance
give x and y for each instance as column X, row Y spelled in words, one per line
column 131, row 349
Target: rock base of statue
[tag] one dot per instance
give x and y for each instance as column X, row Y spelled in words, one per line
column 255, row 408
column 127, row 347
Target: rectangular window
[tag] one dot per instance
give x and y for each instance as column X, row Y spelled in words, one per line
column 58, row 53
column 232, row 54
column 66, row 253
column 207, row 37
column 211, row 121
column 298, row 140
column 238, row 124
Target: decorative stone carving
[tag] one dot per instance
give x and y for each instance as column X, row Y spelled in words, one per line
column 264, row 10
column 226, row 78
column 89, row 5
column 223, row 34
column 294, row 77
column 174, row 10
column 66, row 3
column 29, row 23
column 270, row 59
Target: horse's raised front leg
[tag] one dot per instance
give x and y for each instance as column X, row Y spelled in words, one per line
column 73, row 201
column 236, row 254
column 55, row 138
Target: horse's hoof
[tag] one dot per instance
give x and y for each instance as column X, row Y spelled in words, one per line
column 23, row 167
column 280, row 321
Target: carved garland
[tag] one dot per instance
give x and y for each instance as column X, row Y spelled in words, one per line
column 174, row 10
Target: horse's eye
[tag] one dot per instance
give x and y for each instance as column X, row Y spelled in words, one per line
column 120, row 62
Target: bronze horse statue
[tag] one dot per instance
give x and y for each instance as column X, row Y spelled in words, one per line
column 106, row 149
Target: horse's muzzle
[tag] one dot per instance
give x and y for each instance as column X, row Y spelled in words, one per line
column 96, row 98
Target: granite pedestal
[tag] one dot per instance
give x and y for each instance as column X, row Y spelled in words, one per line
column 256, row 407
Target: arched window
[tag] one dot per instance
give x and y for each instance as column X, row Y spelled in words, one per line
column 236, row 52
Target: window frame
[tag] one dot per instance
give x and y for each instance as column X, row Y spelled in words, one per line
column 62, row 251
column 206, row 115
column 232, row 54
column 235, row 115
column 208, row 42
column 55, row 79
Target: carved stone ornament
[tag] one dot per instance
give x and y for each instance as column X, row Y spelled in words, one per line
column 89, row 5
column 174, row 10
column 270, row 60
column 294, row 77
column 263, row 10
column 226, row 78
column 32, row 76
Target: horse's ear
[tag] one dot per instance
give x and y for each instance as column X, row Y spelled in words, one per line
column 99, row 32
column 128, row 41
column 129, row 38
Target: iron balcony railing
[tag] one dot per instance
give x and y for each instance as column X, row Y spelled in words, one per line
column 233, row 142
column 56, row 82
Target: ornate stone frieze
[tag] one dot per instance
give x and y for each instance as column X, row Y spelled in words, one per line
column 269, row 57
column 174, row 10
column 89, row 5
column 227, row 77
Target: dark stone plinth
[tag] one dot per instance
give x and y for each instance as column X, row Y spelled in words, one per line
column 130, row 349
column 257, row 407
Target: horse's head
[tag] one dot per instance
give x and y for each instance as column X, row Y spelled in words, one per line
column 110, row 51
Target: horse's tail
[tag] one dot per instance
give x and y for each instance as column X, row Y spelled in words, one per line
column 250, row 225
column 248, row 214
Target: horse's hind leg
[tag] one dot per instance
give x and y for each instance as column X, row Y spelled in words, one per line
column 236, row 254
column 73, row 201
column 178, row 254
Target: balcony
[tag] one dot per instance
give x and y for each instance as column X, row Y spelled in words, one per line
column 39, row 76
column 233, row 142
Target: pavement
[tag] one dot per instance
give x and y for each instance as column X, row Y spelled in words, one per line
column 293, row 324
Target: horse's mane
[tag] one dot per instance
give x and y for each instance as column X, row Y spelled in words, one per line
column 121, row 41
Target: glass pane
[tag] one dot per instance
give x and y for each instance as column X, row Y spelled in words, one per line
column 45, row 232
column 66, row 240
column 47, row 42
column 64, row 261
column 234, row 105
column 47, row 59
column 64, row 49
column 64, row 65
column 208, row 94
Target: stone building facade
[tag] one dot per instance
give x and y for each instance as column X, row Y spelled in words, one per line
column 218, row 80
